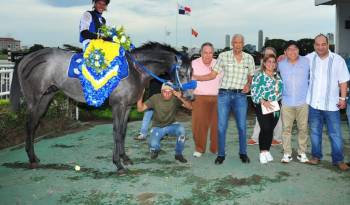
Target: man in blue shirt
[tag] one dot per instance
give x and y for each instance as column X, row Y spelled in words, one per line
column 294, row 70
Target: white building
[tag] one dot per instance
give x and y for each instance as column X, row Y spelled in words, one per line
column 342, row 31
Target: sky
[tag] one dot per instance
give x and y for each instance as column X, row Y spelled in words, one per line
column 56, row 22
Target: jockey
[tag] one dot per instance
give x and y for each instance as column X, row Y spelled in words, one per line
column 92, row 21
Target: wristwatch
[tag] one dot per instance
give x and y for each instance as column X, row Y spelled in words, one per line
column 342, row 98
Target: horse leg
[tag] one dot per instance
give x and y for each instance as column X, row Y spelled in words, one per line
column 35, row 112
column 125, row 158
column 118, row 118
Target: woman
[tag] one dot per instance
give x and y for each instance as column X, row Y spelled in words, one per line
column 277, row 132
column 266, row 89
column 92, row 21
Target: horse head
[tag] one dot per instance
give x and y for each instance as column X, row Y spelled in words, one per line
column 181, row 72
column 160, row 59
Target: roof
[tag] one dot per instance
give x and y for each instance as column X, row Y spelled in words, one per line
column 8, row 39
column 324, row 2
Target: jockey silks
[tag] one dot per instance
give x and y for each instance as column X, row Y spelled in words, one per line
column 90, row 23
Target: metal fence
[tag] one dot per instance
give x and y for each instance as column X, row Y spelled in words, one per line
column 6, row 72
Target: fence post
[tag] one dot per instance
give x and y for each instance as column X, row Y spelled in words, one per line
column 9, row 53
column 76, row 113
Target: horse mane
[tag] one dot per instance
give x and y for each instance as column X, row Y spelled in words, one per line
column 151, row 45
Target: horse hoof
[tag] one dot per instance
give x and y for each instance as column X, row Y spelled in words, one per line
column 33, row 165
column 121, row 172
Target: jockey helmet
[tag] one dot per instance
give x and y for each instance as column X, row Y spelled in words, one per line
column 106, row 1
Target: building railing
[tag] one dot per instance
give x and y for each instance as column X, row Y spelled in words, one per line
column 6, row 73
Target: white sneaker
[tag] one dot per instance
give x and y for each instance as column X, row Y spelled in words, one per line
column 268, row 156
column 302, row 158
column 286, row 158
column 197, row 154
column 263, row 159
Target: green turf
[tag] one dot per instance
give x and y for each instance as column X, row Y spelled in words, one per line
column 164, row 181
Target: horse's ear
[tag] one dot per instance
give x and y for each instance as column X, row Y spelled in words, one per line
column 178, row 59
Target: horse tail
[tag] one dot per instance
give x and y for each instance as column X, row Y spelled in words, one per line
column 15, row 92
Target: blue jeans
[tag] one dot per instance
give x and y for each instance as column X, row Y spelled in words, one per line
column 175, row 129
column 332, row 119
column 237, row 102
column 147, row 117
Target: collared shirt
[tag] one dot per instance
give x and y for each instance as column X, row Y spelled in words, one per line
column 295, row 81
column 210, row 87
column 348, row 64
column 265, row 87
column 235, row 74
column 325, row 76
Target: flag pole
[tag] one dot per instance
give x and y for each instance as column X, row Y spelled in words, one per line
column 177, row 4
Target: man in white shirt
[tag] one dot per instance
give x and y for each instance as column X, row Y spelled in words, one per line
column 328, row 73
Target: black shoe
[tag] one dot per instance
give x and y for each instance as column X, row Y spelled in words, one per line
column 154, row 154
column 180, row 158
column 348, row 164
column 244, row 158
column 219, row 160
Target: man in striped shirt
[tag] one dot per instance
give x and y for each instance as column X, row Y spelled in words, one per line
column 237, row 68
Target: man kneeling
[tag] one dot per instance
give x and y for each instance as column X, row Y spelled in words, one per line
column 165, row 106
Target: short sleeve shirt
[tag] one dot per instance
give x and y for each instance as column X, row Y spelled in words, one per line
column 325, row 76
column 164, row 110
column 235, row 74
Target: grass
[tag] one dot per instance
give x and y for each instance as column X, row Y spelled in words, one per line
column 106, row 113
column 3, row 57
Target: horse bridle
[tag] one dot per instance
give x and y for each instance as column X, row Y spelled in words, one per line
column 177, row 85
column 174, row 68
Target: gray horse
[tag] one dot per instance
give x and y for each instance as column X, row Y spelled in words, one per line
column 39, row 75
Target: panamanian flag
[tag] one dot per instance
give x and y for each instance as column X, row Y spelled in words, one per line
column 184, row 10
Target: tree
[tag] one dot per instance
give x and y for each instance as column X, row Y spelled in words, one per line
column 306, row 45
column 277, row 44
column 4, row 51
column 35, row 47
column 72, row 48
column 184, row 49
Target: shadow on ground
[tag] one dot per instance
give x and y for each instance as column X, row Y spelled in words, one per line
column 164, row 181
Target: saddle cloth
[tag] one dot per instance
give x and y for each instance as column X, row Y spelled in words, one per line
column 100, row 69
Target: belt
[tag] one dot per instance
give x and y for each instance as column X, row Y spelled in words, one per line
column 231, row 90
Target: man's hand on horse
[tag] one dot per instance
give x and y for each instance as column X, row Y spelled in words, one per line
column 178, row 94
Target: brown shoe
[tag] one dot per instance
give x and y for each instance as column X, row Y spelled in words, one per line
column 276, row 142
column 314, row 161
column 252, row 142
column 343, row 167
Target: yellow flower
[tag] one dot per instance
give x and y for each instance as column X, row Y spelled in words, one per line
column 115, row 39
column 123, row 39
column 110, row 49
